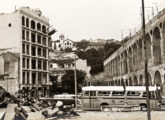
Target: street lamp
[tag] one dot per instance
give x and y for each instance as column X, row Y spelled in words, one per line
column 75, row 80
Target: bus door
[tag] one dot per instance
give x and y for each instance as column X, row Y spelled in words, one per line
column 92, row 99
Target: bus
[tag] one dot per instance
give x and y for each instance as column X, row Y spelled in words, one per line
column 94, row 97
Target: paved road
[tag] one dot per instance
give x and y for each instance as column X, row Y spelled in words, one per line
column 156, row 115
column 93, row 115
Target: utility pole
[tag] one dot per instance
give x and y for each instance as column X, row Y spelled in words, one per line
column 75, row 80
column 146, row 64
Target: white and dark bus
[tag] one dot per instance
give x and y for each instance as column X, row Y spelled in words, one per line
column 94, row 97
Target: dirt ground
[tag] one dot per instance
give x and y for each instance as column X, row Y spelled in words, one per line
column 155, row 115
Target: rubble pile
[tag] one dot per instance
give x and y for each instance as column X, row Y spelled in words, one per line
column 38, row 110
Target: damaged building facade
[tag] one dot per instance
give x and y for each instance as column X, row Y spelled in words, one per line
column 25, row 32
column 126, row 65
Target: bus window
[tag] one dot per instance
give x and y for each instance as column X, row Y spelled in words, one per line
column 133, row 93
column 103, row 93
column 117, row 93
column 86, row 93
column 93, row 93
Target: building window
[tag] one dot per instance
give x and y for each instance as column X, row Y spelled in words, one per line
column 44, row 40
column 45, row 65
column 39, row 39
column 44, row 53
column 50, row 43
column 33, row 78
column 44, row 29
column 27, row 49
column 45, row 77
column 23, row 21
column 27, row 35
column 33, row 24
column 28, row 81
column 23, row 48
column 39, row 51
column 23, row 62
column 23, row 34
column 27, row 22
column 33, row 37
column 33, row 51
column 27, row 64
column 23, row 78
column 33, row 64
column 39, row 26
column 39, row 64
column 39, row 77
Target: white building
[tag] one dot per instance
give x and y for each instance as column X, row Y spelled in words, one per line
column 25, row 31
column 63, row 43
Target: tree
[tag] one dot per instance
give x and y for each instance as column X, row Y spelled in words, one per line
column 68, row 83
column 83, row 44
column 110, row 48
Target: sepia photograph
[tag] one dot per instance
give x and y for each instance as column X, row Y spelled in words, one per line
column 82, row 59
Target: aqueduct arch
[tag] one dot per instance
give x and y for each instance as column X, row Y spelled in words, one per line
column 157, row 78
column 156, row 46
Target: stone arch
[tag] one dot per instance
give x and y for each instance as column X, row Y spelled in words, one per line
column 38, row 26
column 118, row 82
column 156, row 46
column 148, row 46
column 130, row 82
column 125, row 63
column 27, row 22
column 33, row 24
column 141, row 80
column 140, row 52
column 122, row 64
column 126, row 82
column 130, row 59
column 157, row 78
column 149, row 79
column 122, row 82
column 43, row 29
column 135, row 56
column 135, row 83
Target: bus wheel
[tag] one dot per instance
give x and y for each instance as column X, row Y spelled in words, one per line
column 143, row 107
column 104, row 107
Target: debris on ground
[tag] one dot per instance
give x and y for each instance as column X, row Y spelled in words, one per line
column 38, row 110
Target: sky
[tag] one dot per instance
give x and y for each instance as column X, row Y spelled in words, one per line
column 89, row 19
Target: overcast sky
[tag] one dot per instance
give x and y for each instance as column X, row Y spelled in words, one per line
column 85, row 19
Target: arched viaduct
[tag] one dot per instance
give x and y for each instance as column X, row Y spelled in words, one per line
column 126, row 65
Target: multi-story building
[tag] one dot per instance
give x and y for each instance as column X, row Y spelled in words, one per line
column 25, row 31
column 126, row 65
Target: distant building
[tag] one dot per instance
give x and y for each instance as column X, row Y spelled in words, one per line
column 65, row 61
column 25, row 31
column 63, row 43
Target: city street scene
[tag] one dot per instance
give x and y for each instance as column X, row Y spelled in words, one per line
column 82, row 60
